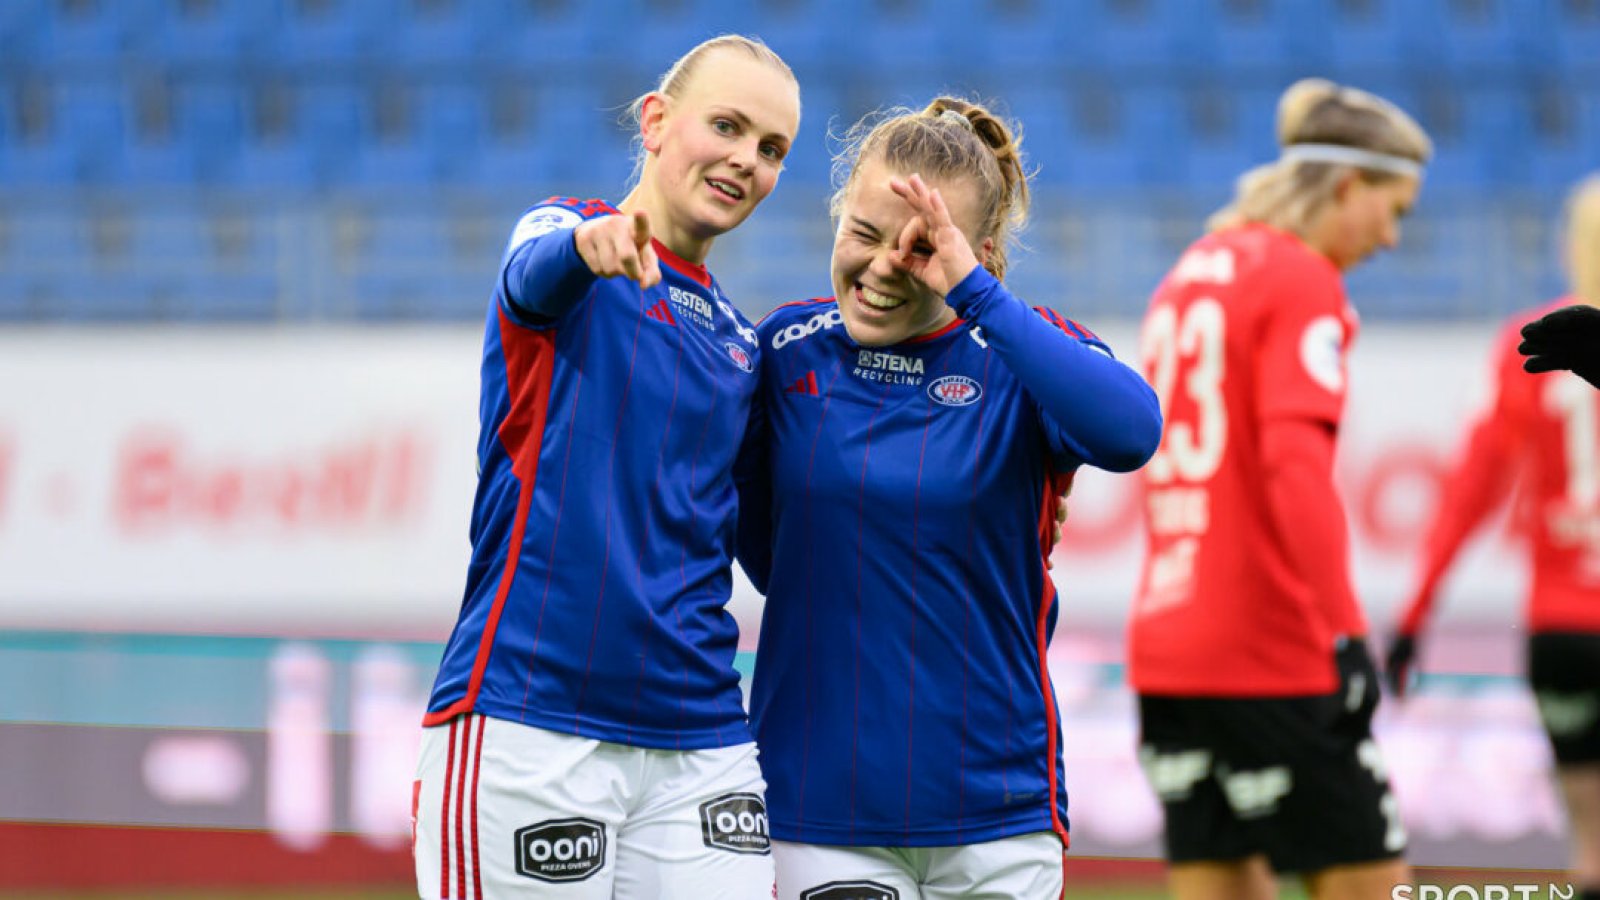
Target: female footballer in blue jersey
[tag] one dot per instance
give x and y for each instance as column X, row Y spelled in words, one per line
column 586, row 737
column 913, row 435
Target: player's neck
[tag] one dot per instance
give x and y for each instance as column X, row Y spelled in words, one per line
column 686, row 245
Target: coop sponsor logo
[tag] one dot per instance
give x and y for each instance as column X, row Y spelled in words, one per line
column 802, row 330
column 561, row 849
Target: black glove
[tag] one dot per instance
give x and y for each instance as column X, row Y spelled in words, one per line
column 1568, row 338
column 1358, row 680
column 1397, row 664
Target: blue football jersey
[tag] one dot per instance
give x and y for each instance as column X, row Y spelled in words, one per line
column 603, row 526
column 899, row 504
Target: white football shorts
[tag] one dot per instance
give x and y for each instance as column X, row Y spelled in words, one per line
column 506, row 810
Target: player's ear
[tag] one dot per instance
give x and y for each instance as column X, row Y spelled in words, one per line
column 984, row 249
column 652, row 120
column 1347, row 183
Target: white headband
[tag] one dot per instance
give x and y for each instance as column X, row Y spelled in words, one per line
column 1352, row 156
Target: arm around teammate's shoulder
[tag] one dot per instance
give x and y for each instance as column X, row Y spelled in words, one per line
column 1107, row 411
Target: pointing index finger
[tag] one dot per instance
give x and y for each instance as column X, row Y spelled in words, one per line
column 641, row 228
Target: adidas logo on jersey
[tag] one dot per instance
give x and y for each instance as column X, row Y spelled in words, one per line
column 662, row 312
column 805, row 385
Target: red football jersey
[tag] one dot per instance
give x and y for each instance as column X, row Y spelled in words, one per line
column 1539, row 437
column 1245, row 340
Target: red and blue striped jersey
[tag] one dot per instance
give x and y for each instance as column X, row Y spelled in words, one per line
column 897, row 510
column 603, row 525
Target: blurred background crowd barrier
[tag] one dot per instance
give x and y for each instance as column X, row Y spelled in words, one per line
column 246, row 248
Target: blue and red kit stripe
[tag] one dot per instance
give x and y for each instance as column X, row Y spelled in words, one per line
column 602, row 529
column 897, row 509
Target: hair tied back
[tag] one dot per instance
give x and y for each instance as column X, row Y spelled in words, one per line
column 950, row 115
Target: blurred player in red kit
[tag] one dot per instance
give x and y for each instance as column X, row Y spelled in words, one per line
column 1539, row 441
column 1246, row 644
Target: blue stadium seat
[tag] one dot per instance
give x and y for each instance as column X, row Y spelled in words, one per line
column 557, row 35
column 804, row 32
column 1232, row 129
column 438, row 32
column 822, row 108
column 208, row 115
column 1025, row 40
column 50, row 239
column 1083, row 137
column 326, row 32
column 1377, row 39
column 1560, row 156
column 1480, row 133
column 21, row 28
column 1125, row 36
column 87, row 31
column 1259, row 36
column 215, row 33
column 909, row 33
column 93, row 116
column 156, row 161
column 1574, row 36
column 1433, row 273
column 49, row 161
column 451, row 120
column 660, row 31
column 577, row 124
column 275, row 149
column 1478, row 37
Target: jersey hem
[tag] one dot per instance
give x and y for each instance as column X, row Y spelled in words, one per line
column 731, row 734
column 1191, row 690
column 844, row 836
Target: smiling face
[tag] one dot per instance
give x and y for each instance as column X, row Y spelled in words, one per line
column 1363, row 219
column 715, row 149
column 879, row 300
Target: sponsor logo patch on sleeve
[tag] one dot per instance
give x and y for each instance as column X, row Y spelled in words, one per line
column 1322, row 352
column 540, row 222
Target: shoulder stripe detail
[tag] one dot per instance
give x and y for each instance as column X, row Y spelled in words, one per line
column 793, row 303
column 586, row 208
column 1065, row 324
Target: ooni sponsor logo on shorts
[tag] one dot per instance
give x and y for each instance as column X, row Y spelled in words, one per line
column 561, row 849
column 801, row 330
column 736, row 822
column 851, row 890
